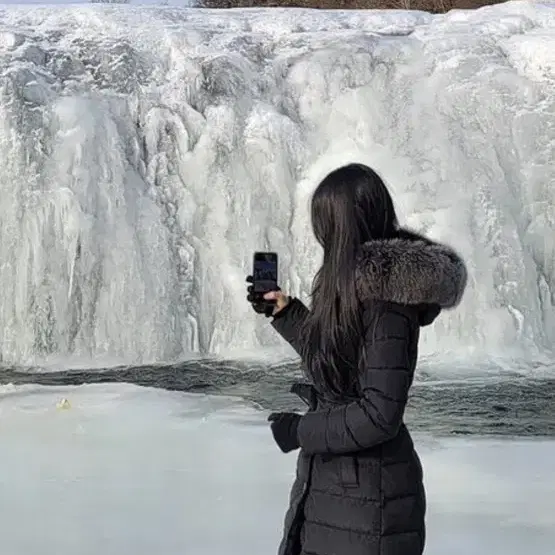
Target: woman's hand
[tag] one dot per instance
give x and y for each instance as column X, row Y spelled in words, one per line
column 284, row 429
column 280, row 298
column 268, row 304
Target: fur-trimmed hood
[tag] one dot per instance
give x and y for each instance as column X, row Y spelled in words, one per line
column 410, row 270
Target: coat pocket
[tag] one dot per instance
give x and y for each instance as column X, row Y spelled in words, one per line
column 348, row 471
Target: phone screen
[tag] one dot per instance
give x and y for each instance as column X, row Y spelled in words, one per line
column 265, row 271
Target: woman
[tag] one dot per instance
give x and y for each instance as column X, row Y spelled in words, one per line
column 359, row 487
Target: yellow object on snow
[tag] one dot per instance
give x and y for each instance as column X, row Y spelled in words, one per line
column 63, row 404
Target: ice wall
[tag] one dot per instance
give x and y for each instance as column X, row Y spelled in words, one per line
column 146, row 152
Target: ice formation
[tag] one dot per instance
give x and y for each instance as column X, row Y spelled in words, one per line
column 147, row 152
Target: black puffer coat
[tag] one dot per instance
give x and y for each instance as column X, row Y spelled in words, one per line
column 359, row 488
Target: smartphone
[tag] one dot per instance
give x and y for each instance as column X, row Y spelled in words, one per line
column 265, row 272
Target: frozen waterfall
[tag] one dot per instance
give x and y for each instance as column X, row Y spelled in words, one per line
column 146, row 152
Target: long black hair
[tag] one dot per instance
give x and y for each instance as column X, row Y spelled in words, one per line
column 349, row 207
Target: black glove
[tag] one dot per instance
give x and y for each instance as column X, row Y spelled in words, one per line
column 259, row 304
column 284, row 429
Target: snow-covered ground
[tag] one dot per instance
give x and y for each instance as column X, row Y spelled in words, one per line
column 127, row 470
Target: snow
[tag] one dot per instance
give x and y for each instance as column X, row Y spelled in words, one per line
column 149, row 151
column 132, row 470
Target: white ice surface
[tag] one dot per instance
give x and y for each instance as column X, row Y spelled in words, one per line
column 147, row 152
column 135, row 471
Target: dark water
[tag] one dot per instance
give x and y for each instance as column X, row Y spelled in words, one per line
column 509, row 405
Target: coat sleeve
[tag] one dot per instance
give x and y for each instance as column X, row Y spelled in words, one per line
column 374, row 418
column 288, row 322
